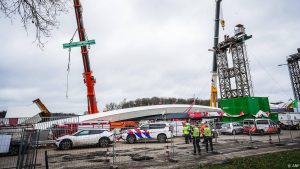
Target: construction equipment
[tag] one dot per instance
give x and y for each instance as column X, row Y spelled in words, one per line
column 44, row 111
column 294, row 70
column 89, row 79
column 214, row 89
column 234, row 81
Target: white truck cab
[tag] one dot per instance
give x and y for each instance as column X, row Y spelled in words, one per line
column 160, row 131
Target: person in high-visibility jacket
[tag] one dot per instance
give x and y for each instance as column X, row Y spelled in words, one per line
column 208, row 138
column 190, row 130
column 186, row 133
column 196, row 139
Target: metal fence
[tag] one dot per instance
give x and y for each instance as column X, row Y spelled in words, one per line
column 33, row 146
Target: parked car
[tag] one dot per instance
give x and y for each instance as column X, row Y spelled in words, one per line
column 231, row 128
column 100, row 137
column 215, row 127
column 219, row 127
column 289, row 125
column 247, row 125
column 266, row 126
column 160, row 131
column 289, row 120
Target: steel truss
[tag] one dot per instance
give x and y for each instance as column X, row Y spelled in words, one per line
column 240, row 70
column 293, row 64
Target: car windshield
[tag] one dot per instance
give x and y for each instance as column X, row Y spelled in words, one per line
column 157, row 126
column 96, row 131
column 144, row 127
column 219, row 125
column 262, row 122
column 237, row 124
column 81, row 133
column 248, row 122
column 226, row 125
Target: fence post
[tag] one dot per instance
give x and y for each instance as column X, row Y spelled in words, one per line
column 291, row 131
column 145, row 149
column 114, row 144
column 36, row 144
column 215, row 127
column 20, row 156
column 172, row 143
column 279, row 141
column 46, row 160
column 251, row 142
column 234, row 137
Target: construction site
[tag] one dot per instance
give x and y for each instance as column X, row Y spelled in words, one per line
column 210, row 84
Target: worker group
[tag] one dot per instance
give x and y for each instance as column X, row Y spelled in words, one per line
column 194, row 133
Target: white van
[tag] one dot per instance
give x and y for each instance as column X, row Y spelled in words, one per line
column 177, row 128
column 266, row 126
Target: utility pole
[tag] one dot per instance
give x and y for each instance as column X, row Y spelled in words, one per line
column 214, row 89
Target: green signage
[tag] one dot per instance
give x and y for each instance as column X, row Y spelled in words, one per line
column 81, row 43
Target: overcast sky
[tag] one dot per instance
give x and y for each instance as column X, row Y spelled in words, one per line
column 146, row 48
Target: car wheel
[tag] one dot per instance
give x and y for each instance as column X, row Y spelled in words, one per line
column 278, row 131
column 261, row 132
column 162, row 138
column 65, row 145
column 131, row 139
column 14, row 150
column 233, row 132
column 104, row 142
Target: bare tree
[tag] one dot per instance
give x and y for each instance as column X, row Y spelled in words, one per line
column 41, row 13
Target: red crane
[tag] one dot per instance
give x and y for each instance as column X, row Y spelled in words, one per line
column 89, row 79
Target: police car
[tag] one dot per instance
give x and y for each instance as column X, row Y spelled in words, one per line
column 266, row 126
column 151, row 131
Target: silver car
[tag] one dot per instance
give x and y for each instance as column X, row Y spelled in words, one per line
column 231, row 128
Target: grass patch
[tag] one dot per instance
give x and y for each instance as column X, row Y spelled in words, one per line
column 278, row 160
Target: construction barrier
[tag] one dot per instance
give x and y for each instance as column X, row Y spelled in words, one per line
column 25, row 145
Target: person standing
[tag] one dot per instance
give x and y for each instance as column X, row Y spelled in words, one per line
column 186, row 134
column 196, row 139
column 202, row 131
column 190, row 130
column 208, row 137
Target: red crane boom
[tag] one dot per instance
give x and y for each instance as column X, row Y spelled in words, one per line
column 89, row 79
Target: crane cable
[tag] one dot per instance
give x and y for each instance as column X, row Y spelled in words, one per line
column 69, row 64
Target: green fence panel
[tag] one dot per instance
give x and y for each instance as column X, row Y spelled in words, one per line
column 248, row 105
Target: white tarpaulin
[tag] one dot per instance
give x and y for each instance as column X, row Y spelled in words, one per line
column 5, row 143
column 22, row 111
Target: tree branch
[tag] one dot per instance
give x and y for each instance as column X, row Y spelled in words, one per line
column 40, row 13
